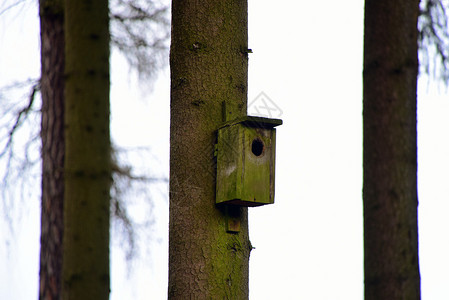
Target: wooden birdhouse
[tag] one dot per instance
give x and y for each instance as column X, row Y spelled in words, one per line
column 246, row 153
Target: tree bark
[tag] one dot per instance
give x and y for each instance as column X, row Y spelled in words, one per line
column 390, row 150
column 53, row 147
column 87, row 156
column 209, row 65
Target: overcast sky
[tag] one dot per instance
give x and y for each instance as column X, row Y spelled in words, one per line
column 307, row 61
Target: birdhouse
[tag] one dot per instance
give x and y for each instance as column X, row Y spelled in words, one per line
column 246, row 153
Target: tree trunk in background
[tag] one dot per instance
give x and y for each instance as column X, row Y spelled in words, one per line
column 390, row 150
column 52, row 135
column 209, row 65
column 87, row 156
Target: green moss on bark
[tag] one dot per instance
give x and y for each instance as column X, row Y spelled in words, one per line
column 87, row 157
column 207, row 68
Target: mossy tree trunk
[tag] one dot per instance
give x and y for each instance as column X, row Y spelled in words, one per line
column 87, row 156
column 209, row 63
column 390, row 150
column 53, row 147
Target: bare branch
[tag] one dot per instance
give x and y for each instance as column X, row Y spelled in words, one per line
column 140, row 30
column 10, row 6
column 129, row 191
column 21, row 115
column 18, row 160
column 434, row 39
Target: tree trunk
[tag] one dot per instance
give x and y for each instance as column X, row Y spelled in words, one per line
column 87, row 156
column 52, row 135
column 390, row 150
column 209, row 65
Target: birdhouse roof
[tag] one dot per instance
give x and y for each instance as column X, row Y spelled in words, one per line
column 252, row 121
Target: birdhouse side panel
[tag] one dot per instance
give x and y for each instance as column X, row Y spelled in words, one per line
column 229, row 163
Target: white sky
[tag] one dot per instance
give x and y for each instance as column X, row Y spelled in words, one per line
column 309, row 245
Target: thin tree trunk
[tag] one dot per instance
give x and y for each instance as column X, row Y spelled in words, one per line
column 209, row 63
column 390, row 150
column 87, row 156
column 53, row 147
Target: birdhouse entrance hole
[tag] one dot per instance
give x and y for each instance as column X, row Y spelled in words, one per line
column 257, row 147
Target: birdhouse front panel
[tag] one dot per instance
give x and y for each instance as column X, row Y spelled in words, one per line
column 258, row 166
column 246, row 164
